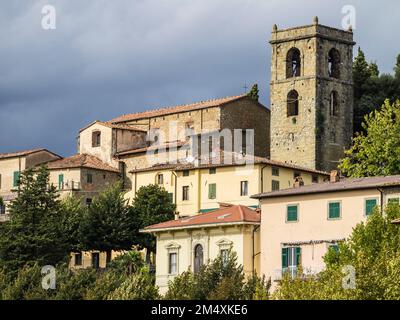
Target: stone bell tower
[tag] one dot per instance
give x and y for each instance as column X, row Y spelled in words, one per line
column 311, row 95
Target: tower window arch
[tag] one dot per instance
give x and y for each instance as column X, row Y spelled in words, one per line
column 293, row 103
column 334, row 104
column 293, row 63
column 334, row 63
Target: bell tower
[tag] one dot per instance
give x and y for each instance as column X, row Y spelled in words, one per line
column 311, row 95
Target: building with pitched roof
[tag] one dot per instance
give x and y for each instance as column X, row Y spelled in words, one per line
column 188, row 243
column 299, row 225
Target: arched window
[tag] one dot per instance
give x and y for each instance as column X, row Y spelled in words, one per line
column 334, row 104
column 293, row 63
column 334, row 63
column 96, row 138
column 292, row 103
column 198, row 257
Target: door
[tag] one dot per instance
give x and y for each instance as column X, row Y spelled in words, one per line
column 95, row 260
column 198, row 258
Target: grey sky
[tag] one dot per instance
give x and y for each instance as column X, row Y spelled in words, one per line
column 106, row 58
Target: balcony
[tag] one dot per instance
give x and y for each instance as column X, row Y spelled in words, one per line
column 70, row 185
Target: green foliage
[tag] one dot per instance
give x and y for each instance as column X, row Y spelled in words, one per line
column 254, row 92
column 1, row 202
column 219, row 280
column 106, row 283
column 33, row 233
column 109, row 223
column 137, row 286
column 151, row 205
column 128, row 263
column 397, row 68
column 372, row 250
column 376, row 152
column 74, row 285
column 371, row 89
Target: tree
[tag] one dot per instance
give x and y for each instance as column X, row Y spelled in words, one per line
column 361, row 73
column 109, row 223
column 373, row 70
column 372, row 250
column 33, row 233
column 397, row 68
column 152, row 205
column 254, row 92
column 377, row 151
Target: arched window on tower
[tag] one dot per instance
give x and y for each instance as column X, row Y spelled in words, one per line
column 293, row 63
column 334, row 63
column 334, row 104
column 292, row 103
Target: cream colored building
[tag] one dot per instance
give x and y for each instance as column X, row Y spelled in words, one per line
column 11, row 166
column 299, row 225
column 200, row 188
column 188, row 243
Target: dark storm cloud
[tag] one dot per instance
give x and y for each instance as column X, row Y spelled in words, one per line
column 107, row 58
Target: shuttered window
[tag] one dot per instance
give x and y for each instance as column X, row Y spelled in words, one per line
column 334, row 210
column 16, row 177
column 212, row 191
column 292, row 213
column 370, row 204
column 291, row 259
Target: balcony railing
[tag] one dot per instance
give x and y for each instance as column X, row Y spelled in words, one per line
column 69, row 185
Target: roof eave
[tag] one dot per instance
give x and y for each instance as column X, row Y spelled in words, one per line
column 199, row 226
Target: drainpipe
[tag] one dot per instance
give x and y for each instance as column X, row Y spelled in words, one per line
column 255, row 228
column 135, row 183
column 381, row 192
column 262, row 178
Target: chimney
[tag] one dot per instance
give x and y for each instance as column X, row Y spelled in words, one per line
column 334, row 176
column 298, row 182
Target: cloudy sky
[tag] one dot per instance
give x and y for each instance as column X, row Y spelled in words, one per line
column 106, row 58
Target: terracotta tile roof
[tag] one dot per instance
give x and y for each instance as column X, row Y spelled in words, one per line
column 234, row 214
column 342, row 185
column 23, row 153
column 81, row 161
column 113, row 126
column 167, row 146
column 237, row 160
column 176, row 109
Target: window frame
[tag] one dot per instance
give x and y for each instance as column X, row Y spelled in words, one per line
column 340, row 209
column 80, row 259
column 297, row 205
column 276, row 182
column 185, row 173
column 160, row 179
column 365, row 205
column 276, row 169
column 185, row 191
column 244, row 183
column 212, row 195
column 89, row 181
column 212, row 171
column 96, row 138
column 170, row 254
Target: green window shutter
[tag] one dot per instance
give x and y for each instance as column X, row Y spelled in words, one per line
column 334, row 210
column 285, row 256
column 369, row 206
column 60, row 181
column 291, row 213
column 298, row 256
column 16, row 178
column 212, row 191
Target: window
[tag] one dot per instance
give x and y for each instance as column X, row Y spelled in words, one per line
column 185, row 173
column 292, row 103
column 185, row 193
column 60, row 181
column 314, row 178
column 244, row 188
column 370, row 205
column 293, row 63
column 334, row 247
column 78, row 259
column 16, row 177
column 212, row 191
column 89, row 178
column 334, row 63
column 296, row 174
column 173, row 263
column 292, row 213
column 393, row 201
column 96, row 139
column 88, row 201
column 224, row 256
column 3, row 209
column 160, row 178
column 275, row 185
column 334, row 104
column 198, row 258
column 334, row 210
column 95, row 260
column 275, row 171
column 212, row 171
column 291, row 260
